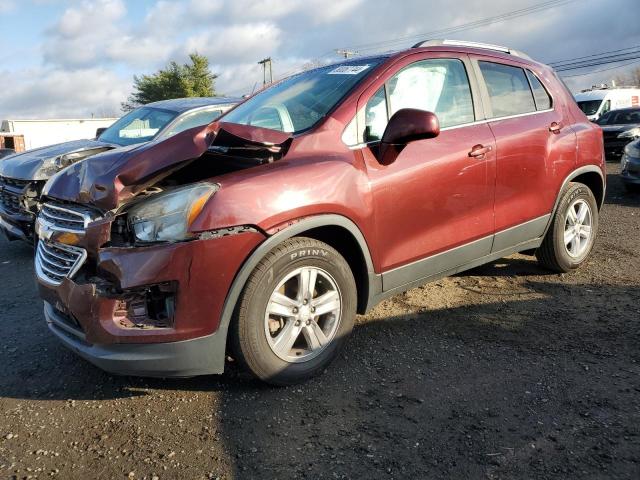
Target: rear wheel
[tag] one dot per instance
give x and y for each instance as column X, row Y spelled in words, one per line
column 295, row 312
column 572, row 233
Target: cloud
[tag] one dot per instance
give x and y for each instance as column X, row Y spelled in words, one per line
column 42, row 93
column 237, row 43
column 7, row 6
column 79, row 37
column 318, row 11
column 106, row 42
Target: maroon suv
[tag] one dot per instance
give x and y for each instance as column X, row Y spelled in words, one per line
column 262, row 234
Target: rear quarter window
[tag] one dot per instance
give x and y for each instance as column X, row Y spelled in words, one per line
column 508, row 88
column 540, row 95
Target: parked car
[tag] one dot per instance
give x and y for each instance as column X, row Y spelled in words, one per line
column 23, row 176
column 5, row 152
column 619, row 127
column 630, row 166
column 597, row 101
column 315, row 199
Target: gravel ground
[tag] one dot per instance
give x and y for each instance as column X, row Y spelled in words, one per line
column 505, row 371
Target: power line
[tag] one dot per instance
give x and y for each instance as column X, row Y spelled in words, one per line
column 596, row 63
column 615, row 57
column 601, row 70
column 467, row 26
column 593, row 55
column 459, row 28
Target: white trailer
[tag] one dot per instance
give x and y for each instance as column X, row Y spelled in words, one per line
column 40, row 133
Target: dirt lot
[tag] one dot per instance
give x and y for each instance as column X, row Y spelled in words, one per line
column 503, row 372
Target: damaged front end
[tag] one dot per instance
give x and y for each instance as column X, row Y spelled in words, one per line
column 117, row 262
column 22, row 179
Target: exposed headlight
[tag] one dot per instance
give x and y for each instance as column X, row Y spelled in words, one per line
column 166, row 217
column 633, row 133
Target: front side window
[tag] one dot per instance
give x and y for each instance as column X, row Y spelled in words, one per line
column 192, row 120
column 302, row 100
column 140, row 125
column 440, row 86
column 606, row 107
column 508, row 88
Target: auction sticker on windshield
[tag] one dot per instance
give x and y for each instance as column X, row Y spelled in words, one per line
column 348, row 70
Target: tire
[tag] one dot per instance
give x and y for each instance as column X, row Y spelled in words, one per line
column 554, row 253
column 260, row 340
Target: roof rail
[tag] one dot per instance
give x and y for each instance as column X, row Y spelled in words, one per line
column 464, row 43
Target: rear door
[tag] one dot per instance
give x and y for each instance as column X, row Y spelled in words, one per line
column 535, row 145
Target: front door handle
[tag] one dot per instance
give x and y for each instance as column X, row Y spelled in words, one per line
column 555, row 127
column 478, row 151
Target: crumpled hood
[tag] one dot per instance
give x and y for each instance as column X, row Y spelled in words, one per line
column 40, row 163
column 111, row 178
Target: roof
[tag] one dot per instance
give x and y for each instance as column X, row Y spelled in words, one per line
column 591, row 95
column 183, row 104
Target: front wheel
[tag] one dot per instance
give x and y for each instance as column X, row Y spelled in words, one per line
column 295, row 313
column 572, row 233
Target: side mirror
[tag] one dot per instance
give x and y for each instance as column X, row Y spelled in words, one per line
column 405, row 126
column 99, row 131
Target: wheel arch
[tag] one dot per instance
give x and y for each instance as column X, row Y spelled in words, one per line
column 589, row 175
column 336, row 230
column 592, row 177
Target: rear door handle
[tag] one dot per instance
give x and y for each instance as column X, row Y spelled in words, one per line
column 478, row 151
column 555, row 127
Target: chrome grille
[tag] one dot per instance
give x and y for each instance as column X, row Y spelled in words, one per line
column 65, row 219
column 55, row 261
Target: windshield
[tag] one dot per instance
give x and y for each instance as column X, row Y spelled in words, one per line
column 140, row 125
column 622, row 117
column 589, row 107
column 299, row 102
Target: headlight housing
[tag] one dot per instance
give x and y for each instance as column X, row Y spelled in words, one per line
column 632, row 133
column 166, row 217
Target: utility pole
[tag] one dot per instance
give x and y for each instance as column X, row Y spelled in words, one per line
column 346, row 53
column 264, row 63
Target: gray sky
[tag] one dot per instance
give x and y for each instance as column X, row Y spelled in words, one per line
column 77, row 57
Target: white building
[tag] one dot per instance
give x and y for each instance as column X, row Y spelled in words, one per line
column 40, row 133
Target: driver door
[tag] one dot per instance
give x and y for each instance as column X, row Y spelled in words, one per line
column 434, row 204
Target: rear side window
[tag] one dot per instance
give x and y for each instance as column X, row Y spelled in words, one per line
column 540, row 94
column 508, row 87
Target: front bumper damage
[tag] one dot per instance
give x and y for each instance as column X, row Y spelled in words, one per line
column 151, row 311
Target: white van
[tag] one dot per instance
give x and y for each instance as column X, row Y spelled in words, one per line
column 598, row 101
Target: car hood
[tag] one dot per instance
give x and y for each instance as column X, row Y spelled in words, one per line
column 111, row 178
column 42, row 163
column 619, row 128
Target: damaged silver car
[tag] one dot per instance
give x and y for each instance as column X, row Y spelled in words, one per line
column 22, row 176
